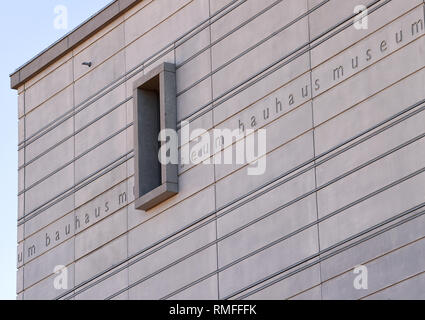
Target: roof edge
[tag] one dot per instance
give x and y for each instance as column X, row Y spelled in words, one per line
column 71, row 40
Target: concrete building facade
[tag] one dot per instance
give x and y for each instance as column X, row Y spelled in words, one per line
column 338, row 212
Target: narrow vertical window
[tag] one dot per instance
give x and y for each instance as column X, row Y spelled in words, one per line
column 154, row 99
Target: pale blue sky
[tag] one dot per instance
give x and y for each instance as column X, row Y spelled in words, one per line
column 26, row 28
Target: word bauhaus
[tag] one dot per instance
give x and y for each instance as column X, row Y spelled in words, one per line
column 259, row 115
column 75, row 223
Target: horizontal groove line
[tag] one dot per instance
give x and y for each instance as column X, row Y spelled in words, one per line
column 238, row 27
column 26, row 143
column 416, row 112
column 76, row 132
column 273, row 66
column 396, row 217
column 319, row 163
column 294, row 110
column 183, row 42
column 252, row 192
column 82, row 183
column 56, row 245
column 264, row 216
column 392, row 285
column 100, row 143
column 259, row 43
column 329, row 255
column 40, row 132
column 114, row 109
column 276, row 210
column 56, row 219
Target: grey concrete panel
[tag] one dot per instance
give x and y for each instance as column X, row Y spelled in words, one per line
column 21, row 130
column 171, row 253
column 101, row 207
column 370, row 112
column 56, row 159
column 192, row 100
column 236, row 17
column 100, row 157
column 351, row 35
column 49, row 215
column 263, row 87
column 330, row 14
column 374, row 79
column 21, row 180
column 264, row 55
column 256, row 30
column 101, row 233
column 45, row 289
column 105, row 288
column 44, row 266
column 48, row 86
column 277, row 225
column 15, row 79
column 216, row 5
column 278, row 162
column 278, row 133
column 148, row 17
column 378, row 174
column 50, row 139
column 162, row 34
column 291, row 286
column 382, row 272
column 21, row 104
column 20, row 235
column 190, row 183
column 122, row 296
column 278, row 196
column 88, row 113
column 372, row 211
column 92, row 25
column 101, row 259
column 167, row 282
column 153, row 228
column 84, row 31
column 49, row 188
column 205, row 290
column 100, row 130
column 312, row 294
column 99, row 51
column 372, row 148
column 21, row 157
column 278, row 257
column 100, row 77
column 20, row 280
column 20, row 255
column 194, row 67
column 101, row 184
column 409, row 289
column 49, row 111
column 21, row 206
column 49, row 237
column 269, row 113
column 376, row 246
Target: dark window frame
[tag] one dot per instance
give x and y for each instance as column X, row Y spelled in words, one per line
column 155, row 108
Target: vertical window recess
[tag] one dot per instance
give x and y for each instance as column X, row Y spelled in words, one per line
column 154, row 98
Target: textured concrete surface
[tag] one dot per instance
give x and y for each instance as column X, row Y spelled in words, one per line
column 346, row 103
